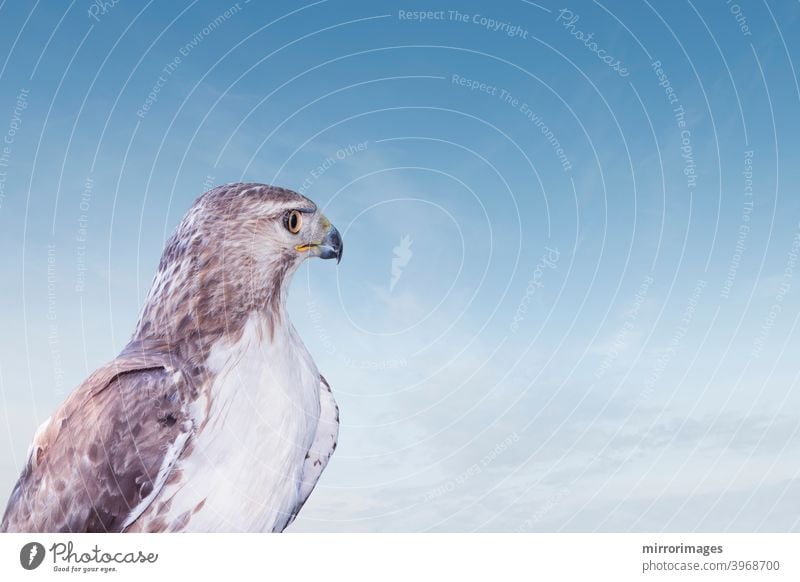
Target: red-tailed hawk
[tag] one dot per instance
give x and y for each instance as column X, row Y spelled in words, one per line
column 214, row 417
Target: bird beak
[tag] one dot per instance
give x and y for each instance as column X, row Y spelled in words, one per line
column 329, row 247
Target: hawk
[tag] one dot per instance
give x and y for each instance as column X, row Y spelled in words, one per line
column 214, row 417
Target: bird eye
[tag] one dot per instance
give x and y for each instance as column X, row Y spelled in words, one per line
column 294, row 220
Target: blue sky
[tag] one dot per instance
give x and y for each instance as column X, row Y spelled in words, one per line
column 589, row 324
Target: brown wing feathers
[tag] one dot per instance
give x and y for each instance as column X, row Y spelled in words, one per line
column 101, row 452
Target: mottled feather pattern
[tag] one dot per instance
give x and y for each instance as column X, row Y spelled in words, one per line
column 100, row 452
column 116, row 455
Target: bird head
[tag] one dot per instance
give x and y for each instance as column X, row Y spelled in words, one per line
column 235, row 250
column 268, row 230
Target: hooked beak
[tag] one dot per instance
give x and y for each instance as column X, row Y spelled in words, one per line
column 329, row 247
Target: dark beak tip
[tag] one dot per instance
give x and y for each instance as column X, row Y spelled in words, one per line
column 332, row 246
column 338, row 245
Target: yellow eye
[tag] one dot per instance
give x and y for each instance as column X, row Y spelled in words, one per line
column 294, row 221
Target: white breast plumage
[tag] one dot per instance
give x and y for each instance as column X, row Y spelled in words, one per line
column 244, row 472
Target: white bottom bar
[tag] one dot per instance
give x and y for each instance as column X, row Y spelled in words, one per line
column 382, row 557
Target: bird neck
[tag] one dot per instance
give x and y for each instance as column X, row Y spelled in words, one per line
column 189, row 309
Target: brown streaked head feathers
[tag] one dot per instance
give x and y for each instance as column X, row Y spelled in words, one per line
column 231, row 254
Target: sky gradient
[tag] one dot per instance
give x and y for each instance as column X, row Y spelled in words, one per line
column 570, row 290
